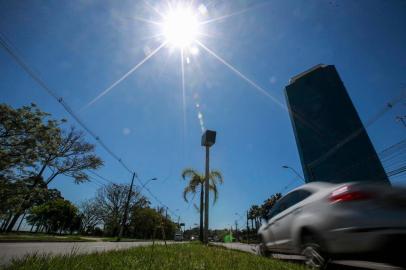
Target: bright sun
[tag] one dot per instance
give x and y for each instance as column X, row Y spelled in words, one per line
column 180, row 27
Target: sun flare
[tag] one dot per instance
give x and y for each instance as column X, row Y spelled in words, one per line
column 180, row 27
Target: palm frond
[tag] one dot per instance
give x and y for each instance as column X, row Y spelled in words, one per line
column 186, row 191
column 213, row 188
column 196, row 207
column 189, row 172
column 216, row 177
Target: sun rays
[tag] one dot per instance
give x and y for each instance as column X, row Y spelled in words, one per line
column 182, row 27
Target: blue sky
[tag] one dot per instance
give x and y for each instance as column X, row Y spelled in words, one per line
column 81, row 47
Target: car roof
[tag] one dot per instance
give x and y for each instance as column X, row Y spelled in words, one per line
column 315, row 186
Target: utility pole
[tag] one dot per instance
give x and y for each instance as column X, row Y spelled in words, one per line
column 124, row 220
column 208, row 139
column 236, row 230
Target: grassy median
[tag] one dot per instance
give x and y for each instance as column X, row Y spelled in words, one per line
column 176, row 257
column 27, row 237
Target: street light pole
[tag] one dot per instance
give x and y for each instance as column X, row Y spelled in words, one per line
column 147, row 182
column 294, row 171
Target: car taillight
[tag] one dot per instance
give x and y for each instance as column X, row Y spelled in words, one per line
column 344, row 194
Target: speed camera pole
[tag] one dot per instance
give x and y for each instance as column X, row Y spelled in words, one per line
column 206, row 197
column 208, row 139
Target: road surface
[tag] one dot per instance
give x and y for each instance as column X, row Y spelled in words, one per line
column 9, row 251
column 346, row 263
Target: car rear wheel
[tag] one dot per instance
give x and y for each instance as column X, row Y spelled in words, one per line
column 262, row 250
column 314, row 257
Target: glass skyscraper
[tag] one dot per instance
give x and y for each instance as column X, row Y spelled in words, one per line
column 332, row 142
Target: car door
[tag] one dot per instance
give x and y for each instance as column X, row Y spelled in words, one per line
column 282, row 223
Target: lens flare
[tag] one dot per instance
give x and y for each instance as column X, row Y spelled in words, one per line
column 180, row 27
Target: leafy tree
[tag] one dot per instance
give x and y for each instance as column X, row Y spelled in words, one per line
column 13, row 192
column 70, row 155
column 256, row 213
column 146, row 221
column 34, row 149
column 55, row 216
column 268, row 204
column 24, row 132
column 196, row 183
column 91, row 215
column 111, row 200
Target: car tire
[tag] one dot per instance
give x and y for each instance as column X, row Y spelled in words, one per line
column 315, row 258
column 263, row 251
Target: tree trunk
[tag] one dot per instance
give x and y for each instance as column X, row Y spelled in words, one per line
column 14, row 221
column 21, row 221
column 6, row 221
column 201, row 211
column 32, row 227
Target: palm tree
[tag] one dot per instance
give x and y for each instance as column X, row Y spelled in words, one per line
column 196, row 182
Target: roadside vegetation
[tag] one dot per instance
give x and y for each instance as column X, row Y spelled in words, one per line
column 40, row 237
column 35, row 151
column 180, row 257
column 195, row 185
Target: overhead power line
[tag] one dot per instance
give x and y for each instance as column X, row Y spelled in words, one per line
column 9, row 48
column 358, row 131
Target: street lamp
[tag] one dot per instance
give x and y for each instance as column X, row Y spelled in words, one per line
column 208, row 140
column 294, row 171
column 147, row 182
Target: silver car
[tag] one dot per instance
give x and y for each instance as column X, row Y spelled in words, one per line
column 322, row 221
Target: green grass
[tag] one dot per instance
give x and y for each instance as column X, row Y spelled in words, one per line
column 31, row 237
column 176, row 257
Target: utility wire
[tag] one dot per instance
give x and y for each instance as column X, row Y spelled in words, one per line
column 8, row 47
column 357, row 132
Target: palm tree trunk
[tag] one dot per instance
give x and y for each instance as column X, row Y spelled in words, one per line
column 201, row 211
column 21, row 221
column 6, row 221
column 13, row 221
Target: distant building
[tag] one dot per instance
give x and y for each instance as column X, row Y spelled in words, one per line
column 332, row 142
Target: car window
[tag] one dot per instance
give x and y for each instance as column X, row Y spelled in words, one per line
column 289, row 200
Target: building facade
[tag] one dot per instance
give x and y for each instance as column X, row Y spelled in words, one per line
column 332, row 142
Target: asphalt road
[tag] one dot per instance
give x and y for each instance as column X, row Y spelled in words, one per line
column 8, row 251
column 341, row 264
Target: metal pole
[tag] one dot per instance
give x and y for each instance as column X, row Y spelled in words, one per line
column 248, row 231
column 206, row 198
column 236, row 230
column 124, row 221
